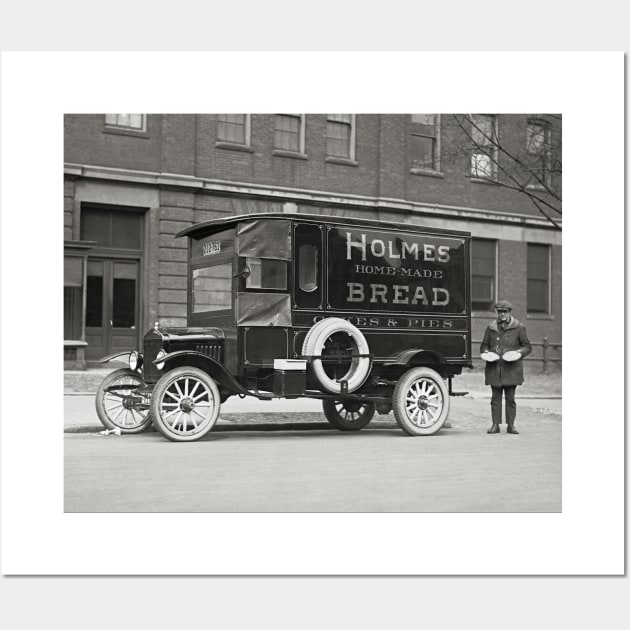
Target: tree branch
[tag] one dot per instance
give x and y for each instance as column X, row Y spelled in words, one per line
column 517, row 165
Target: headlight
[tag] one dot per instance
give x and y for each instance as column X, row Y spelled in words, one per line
column 135, row 360
column 160, row 355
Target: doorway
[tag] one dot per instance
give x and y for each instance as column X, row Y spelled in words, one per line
column 111, row 316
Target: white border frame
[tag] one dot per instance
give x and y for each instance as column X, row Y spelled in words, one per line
column 38, row 538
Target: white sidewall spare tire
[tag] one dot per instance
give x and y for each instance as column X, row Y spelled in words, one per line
column 314, row 343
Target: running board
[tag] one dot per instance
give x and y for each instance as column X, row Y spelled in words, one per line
column 450, row 389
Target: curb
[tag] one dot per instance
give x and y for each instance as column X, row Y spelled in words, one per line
column 518, row 397
column 219, row 428
column 78, row 393
column 472, row 395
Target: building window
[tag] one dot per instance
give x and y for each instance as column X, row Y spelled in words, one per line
column 340, row 136
column 134, row 122
column 484, row 273
column 539, row 153
column 484, row 157
column 234, row 129
column 289, row 133
column 118, row 229
column 72, row 297
column 424, row 152
column 538, row 278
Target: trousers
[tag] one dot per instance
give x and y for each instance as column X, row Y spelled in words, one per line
column 510, row 404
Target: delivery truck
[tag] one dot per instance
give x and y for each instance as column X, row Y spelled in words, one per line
column 367, row 316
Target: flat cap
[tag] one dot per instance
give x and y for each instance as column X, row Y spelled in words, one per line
column 503, row 305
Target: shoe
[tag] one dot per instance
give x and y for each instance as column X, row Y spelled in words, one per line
column 512, row 430
column 495, row 428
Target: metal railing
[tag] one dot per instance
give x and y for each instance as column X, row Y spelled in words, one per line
column 547, row 348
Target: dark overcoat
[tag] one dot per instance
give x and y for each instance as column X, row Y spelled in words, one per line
column 514, row 337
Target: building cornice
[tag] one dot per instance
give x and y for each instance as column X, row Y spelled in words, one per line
column 296, row 195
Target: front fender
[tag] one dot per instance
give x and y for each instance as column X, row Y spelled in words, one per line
column 197, row 359
column 111, row 357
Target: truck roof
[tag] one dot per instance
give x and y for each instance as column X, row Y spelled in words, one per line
column 215, row 225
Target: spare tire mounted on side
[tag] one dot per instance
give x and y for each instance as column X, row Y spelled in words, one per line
column 318, row 342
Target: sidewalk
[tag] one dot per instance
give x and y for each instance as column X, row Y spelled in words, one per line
column 536, row 385
column 301, row 413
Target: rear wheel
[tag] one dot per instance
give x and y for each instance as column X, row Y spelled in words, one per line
column 185, row 404
column 118, row 404
column 421, row 401
column 348, row 415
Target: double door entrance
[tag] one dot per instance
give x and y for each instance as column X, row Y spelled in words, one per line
column 112, row 307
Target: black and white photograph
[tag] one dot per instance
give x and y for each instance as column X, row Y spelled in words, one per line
column 343, row 311
column 323, row 345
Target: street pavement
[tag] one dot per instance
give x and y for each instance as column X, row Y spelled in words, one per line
column 296, row 462
column 283, row 456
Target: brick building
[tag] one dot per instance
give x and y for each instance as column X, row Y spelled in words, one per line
column 132, row 181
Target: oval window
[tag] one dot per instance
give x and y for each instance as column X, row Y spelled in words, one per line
column 308, row 268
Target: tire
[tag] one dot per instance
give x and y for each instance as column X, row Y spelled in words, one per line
column 185, row 404
column 334, row 331
column 421, row 402
column 348, row 415
column 118, row 406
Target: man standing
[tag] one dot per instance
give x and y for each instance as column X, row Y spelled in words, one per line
column 504, row 346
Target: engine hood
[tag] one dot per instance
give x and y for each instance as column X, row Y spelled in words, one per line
column 192, row 334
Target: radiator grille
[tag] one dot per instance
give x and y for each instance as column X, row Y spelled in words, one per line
column 151, row 348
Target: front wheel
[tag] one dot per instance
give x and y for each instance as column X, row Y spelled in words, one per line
column 119, row 405
column 348, row 415
column 185, row 404
column 421, row 401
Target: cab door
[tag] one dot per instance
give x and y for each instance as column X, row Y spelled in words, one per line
column 111, row 321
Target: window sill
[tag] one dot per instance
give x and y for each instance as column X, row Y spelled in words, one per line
column 120, row 131
column 232, row 146
column 483, row 314
column 340, row 160
column 540, row 316
column 74, row 343
column 296, row 155
column 539, row 188
column 483, row 180
column 426, row 172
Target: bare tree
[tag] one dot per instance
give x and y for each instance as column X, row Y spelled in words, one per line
column 531, row 166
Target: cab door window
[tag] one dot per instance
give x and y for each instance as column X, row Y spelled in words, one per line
column 211, row 274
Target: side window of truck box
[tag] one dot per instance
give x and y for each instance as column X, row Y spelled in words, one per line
column 308, row 257
column 266, row 273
